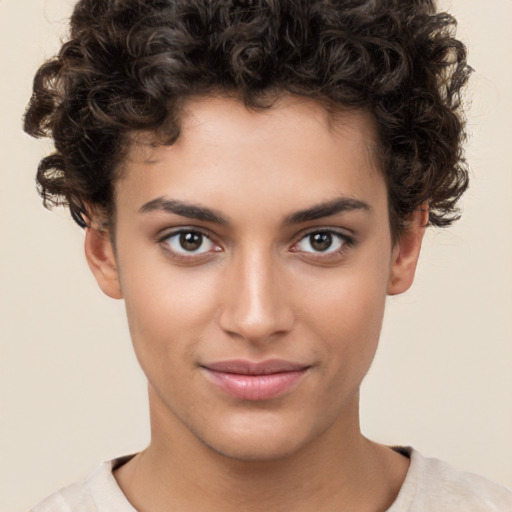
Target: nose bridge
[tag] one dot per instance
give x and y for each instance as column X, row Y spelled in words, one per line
column 257, row 307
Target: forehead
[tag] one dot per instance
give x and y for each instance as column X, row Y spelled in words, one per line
column 295, row 151
column 211, row 119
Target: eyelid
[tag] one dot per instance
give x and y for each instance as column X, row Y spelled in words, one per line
column 164, row 234
column 184, row 255
column 348, row 241
column 343, row 233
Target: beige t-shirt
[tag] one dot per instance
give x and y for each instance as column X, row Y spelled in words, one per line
column 431, row 485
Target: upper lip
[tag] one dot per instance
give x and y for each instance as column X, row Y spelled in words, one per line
column 243, row 367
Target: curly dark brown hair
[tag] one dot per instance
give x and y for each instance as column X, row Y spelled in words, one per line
column 130, row 64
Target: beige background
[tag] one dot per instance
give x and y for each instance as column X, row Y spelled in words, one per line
column 71, row 393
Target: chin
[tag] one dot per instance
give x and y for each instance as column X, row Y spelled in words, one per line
column 256, row 437
column 254, row 449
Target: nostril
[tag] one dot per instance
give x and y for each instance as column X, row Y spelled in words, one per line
column 256, row 306
column 256, row 322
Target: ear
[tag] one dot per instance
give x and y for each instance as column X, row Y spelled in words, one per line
column 406, row 252
column 100, row 256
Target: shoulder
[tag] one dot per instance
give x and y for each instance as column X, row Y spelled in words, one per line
column 98, row 492
column 432, row 484
column 74, row 497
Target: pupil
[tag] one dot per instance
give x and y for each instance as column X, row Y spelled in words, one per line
column 191, row 241
column 321, row 241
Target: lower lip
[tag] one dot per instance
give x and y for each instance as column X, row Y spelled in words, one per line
column 256, row 387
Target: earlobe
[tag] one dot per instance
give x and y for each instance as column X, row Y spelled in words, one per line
column 100, row 256
column 406, row 252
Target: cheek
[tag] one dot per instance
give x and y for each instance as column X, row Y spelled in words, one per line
column 167, row 309
column 346, row 313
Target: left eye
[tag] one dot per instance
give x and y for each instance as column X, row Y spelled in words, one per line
column 189, row 242
column 321, row 242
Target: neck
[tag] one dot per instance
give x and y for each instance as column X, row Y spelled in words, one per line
column 179, row 472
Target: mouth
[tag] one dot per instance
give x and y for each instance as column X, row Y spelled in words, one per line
column 255, row 381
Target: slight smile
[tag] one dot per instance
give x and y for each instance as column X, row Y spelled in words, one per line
column 253, row 381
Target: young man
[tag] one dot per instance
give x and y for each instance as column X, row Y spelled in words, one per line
column 254, row 179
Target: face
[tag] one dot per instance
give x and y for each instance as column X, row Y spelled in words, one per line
column 254, row 256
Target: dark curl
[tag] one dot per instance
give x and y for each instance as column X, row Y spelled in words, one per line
column 130, row 64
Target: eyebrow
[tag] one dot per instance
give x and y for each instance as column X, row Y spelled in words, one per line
column 192, row 211
column 326, row 209
column 201, row 213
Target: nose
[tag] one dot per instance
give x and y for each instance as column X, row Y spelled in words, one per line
column 257, row 308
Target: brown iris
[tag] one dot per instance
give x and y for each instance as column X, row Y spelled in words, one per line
column 191, row 241
column 321, row 241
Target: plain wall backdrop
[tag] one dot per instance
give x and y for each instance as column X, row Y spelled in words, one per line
column 71, row 392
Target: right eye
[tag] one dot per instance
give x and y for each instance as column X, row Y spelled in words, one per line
column 189, row 242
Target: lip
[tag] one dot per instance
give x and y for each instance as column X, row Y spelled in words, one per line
column 255, row 381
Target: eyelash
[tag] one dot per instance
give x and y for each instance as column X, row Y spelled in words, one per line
column 187, row 257
column 345, row 240
column 192, row 257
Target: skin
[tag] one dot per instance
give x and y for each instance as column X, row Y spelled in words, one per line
column 257, row 288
